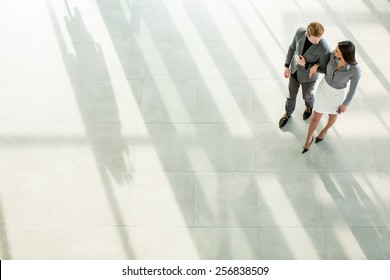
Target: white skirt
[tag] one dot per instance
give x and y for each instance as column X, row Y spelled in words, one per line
column 328, row 99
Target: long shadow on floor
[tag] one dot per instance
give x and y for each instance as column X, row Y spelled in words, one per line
column 355, row 213
column 106, row 141
column 179, row 65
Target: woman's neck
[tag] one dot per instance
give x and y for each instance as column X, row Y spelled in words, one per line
column 341, row 62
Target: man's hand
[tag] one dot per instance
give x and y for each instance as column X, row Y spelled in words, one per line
column 301, row 60
column 287, row 72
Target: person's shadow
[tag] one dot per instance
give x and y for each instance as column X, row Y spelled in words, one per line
column 94, row 94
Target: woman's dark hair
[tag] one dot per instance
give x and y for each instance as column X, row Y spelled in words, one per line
column 347, row 49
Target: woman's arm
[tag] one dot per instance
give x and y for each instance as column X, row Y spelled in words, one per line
column 352, row 88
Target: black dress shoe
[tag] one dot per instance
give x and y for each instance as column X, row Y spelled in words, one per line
column 304, row 149
column 307, row 113
column 318, row 140
column 283, row 121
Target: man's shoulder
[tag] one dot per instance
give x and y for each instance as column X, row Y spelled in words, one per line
column 300, row 30
column 323, row 45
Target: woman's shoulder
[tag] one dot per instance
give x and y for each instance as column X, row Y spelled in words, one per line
column 354, row 70
column 355, row 67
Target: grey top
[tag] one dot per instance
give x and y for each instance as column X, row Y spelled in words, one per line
column 318, row 53
column 339, row 78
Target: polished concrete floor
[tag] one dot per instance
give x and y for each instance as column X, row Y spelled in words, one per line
column 148, row 129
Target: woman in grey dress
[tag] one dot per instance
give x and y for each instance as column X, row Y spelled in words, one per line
column 330, row 97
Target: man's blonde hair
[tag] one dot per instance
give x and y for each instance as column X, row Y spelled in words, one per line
column 315, row 29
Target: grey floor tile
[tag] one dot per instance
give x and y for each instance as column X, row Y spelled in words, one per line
column 36, row 147
column 162, row 199
column 268, row 101
column 336, row 153
column 22, row 30
column 289, row 199
column 78, row 62
column 344, row 5
column 4, row 251
column 143, row 199
column 225, row 147
column 95, row 243
column 111, row 147
column 170, row 60
column 116, row 101
column 107, row 4
column 166, row 147
column 367, row 15
column 157, row 3
column 356, row 243
column 119, row 61
column 165, row 24
column 225, row 101
column 162, row 243
column 169, row 101
column 292, row 243
column 218, row 24
column 100, row 198
column 223, row 60
column 19, row 99
column 35, row 60
column 226, row 199
column 221, row 243
column 34, row 198
column 384, row 183
column 352, row 199
column 379, row 134
column 59, row 102
column 269, row 16
column 370, row 106
column 280, row 150
column 262, row 64
column 115, row 24
column 31, row 242
column 80, row 22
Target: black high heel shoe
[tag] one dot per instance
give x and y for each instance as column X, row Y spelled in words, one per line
column 318, row 140
column 304, row 149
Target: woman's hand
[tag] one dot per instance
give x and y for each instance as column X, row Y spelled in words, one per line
column 341, row 109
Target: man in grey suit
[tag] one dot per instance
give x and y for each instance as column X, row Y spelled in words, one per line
column 307, row 44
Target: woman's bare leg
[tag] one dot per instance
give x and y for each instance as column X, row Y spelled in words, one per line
column 331, row 120
column 315, row 120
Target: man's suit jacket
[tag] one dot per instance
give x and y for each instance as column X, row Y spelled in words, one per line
column 319, row 53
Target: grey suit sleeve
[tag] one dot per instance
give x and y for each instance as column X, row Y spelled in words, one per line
column 324, row 59
column 291, row 50
column 352, row 87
